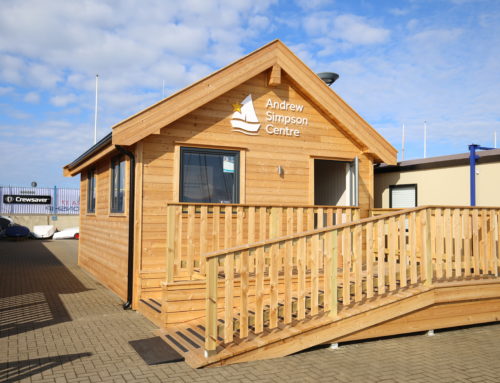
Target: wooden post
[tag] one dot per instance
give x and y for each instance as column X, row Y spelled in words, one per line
column 228, row 297
column 211, row 308
column 427, row 255
column 273, row 224
column 369, row 259
column 333, row 273
column 190, row 239
column 381, row 256
column 170, row 259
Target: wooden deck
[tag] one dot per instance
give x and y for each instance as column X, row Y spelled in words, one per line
column 411, row 270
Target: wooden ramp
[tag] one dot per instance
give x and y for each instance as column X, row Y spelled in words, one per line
column 420, row 269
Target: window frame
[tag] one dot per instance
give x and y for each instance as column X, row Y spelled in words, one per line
column 203, row 150
column 113, row 202
column 392, row 187
column 91, row 191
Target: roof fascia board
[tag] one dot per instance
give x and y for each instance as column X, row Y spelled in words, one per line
column 96, row 157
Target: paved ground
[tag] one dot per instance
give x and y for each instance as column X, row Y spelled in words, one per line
column 57, row 324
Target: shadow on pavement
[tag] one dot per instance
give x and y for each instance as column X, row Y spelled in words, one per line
column 32, row 279
column 16, row 371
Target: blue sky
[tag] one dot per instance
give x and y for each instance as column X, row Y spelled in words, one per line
column 405, row 61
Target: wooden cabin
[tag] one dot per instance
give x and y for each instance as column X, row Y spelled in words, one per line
column 233, row 214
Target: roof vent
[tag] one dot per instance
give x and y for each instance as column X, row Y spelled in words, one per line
column 328, row 77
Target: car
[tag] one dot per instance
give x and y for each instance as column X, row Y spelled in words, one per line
column 71, row 233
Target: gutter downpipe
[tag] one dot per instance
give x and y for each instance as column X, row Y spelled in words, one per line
column 131, row 217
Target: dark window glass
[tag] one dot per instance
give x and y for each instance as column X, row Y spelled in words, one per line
column 209, row 175
column 117, row 185
column 91, row 191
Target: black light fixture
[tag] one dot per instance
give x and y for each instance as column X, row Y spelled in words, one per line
column 328, row 77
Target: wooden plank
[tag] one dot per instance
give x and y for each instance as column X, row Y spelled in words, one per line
column 251, row 235
column 381, row 256
column 259, row 290
column 228, row 295
column 275, row 76
column 427, row 254
column 496, row 228
column 392, row 237
column 403, row 258
column 412, row 232
column 216, row 228
column 203, row 236
column 301, row 270
column 457, row 239
column 333, row 273
column 448, row 240
column 475, row 242
column 370, row 249
column 228, row 218
column 346, row 271
column 211, row 307
column 178, row 241
column 358, row 262
column 483, row 240
column 190, row 239
column 244, row 294
column 288, row 267
column 314, row 273
column 439, row 242
column 170, row 256
column 273, row 312
column 467, row 235
column 262, row 223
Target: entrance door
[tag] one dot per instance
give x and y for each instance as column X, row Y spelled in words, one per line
column 336, row 182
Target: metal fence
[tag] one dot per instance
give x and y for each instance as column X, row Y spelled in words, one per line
column 29, row 200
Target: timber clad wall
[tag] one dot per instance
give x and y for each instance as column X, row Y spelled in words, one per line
column 209, row 126
column 103, row 247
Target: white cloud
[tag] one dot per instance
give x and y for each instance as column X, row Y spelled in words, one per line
column 63, row 99
column 32, row 97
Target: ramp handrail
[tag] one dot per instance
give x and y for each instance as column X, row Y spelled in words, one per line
column 331, row 268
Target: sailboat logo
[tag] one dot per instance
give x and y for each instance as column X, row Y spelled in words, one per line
column 244, row 119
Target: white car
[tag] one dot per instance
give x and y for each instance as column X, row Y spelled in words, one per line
column 73, row 232
column 43, row 231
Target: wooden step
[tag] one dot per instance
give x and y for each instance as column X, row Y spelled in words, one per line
column 151, row 309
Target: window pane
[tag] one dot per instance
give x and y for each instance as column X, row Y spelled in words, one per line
column 209, row 176
column 117, row 185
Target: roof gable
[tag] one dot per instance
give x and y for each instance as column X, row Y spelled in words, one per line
column 273, row 57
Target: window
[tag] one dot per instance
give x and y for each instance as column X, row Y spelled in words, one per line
column 117, row 184
column 209, row 175
column 91, row 191
column 402, row 196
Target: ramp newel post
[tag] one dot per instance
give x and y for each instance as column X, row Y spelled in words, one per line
column 333, row 274
column 211, row 308
column 169, row 264
column 427, row 248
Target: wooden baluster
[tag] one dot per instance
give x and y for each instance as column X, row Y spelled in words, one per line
column 178, row 241
column 358, row 262
column 467, row 234
column 239, row 225
column 321, row 218
column 259, row 290
column 273, row 315
column 370, row 248
column 338, row 216
column 333, row 248
column 244, row 294
column 403, row 258
column 262, row 223
column 346, row 255
column 300, row 219
column 491, row 241
column 496, row 227
column 381, row 256
column 190, row 239
column 216, row 228
column 433, row 233
column 329, row 217
column 439, row 243
column 448, row 243
column 355, row 214
column 229, row 295
column 228, row 226
column 419, row 244
column 457, row 234
column 170, row 256
column 475, row 242
column 251, row 235
column 310, row 218
column 203, row 236
column 427, row 248
column 412, row 232
column 301, row 269
column 288, row 267
column 211, row 307
column 392, row 235
column 314, row 273
column 484, row 242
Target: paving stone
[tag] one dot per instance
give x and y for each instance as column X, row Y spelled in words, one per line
column 58, row 324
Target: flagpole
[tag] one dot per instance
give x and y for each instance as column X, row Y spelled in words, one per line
column 403, row 145
column 95, row 111
column 425, row 139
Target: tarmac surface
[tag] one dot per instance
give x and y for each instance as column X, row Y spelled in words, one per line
column 58, row 324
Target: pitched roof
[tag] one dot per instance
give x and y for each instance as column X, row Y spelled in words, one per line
column 152, row 119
